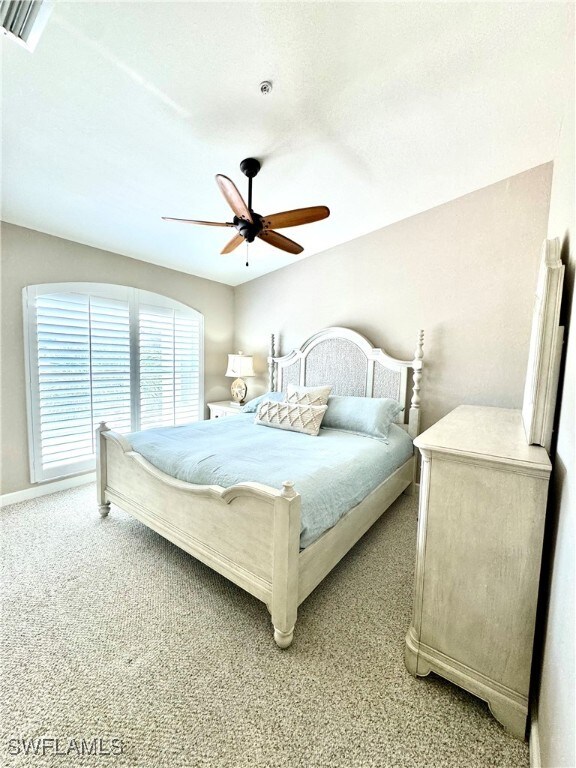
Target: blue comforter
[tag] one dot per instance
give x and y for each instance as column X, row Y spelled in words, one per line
column 333, row 472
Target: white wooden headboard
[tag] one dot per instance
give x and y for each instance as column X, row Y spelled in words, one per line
column 348, row 361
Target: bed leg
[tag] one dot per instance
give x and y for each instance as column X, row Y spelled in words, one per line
column 413, row 488
column 104, row 509
column 103, row 505
column 283, row 639
column 285, row 565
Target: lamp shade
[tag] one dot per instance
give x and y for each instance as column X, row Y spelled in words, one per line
column 240, row 366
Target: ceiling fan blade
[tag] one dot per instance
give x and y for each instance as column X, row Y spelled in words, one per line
column 195, row 221
column 296, row 217
column 279, row 241
column 234, row 243
column 233, row 197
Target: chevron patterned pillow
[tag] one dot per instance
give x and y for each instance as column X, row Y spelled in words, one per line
column 291, row 416
column 308, row 395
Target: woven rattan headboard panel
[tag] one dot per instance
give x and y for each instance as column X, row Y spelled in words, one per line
column 348, row 361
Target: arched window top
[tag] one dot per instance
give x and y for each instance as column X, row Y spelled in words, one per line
column 101, row 352
column 121, row 292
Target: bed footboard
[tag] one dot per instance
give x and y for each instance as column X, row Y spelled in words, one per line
column 250, row 533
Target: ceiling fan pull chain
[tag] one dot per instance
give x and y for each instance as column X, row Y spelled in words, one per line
column 247, row 247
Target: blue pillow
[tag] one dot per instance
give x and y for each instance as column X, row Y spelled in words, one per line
column 252, row 405
column 369, row 416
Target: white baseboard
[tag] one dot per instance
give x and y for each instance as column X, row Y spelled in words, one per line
column 535, row 759
column 46, row 488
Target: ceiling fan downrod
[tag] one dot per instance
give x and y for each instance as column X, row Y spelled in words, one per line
column 250, row 167
column 250, row 230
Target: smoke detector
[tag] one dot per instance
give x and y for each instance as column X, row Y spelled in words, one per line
column 265, row 87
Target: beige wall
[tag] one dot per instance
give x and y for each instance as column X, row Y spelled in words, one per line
column 556, row 706
column 465, row 272
column 30, row 257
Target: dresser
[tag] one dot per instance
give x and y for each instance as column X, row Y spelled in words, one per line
column 483, row 498
column 223, row 408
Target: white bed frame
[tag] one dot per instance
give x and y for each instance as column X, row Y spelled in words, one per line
column 250, row 533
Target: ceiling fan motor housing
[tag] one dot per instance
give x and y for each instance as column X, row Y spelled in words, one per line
column 249, row 230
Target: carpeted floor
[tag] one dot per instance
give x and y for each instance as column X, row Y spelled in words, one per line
column 110, row 632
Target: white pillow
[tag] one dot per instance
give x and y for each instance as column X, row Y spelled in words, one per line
column 308, row 395
column 291, row 416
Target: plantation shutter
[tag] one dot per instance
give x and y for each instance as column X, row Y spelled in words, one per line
column 82, row 355
column 169, row 345
column 105, row 353
column 64, row 412
column 110, row 363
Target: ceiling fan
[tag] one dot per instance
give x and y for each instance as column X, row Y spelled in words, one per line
column 250, row 224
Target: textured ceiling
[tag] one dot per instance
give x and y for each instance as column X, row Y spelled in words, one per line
column 126, row 111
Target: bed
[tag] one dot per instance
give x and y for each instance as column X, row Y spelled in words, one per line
column 251, row 532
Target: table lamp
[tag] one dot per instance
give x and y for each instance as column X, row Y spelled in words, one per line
column 240, row 366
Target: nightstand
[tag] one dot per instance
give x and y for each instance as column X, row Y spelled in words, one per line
column 223, row 408
column 482, row 507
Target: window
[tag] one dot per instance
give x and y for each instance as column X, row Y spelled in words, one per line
column 98, row 352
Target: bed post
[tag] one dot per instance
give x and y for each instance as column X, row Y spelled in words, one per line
column 285, row 562
column 414, row 417
column 271, row 372
column 103, row 505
